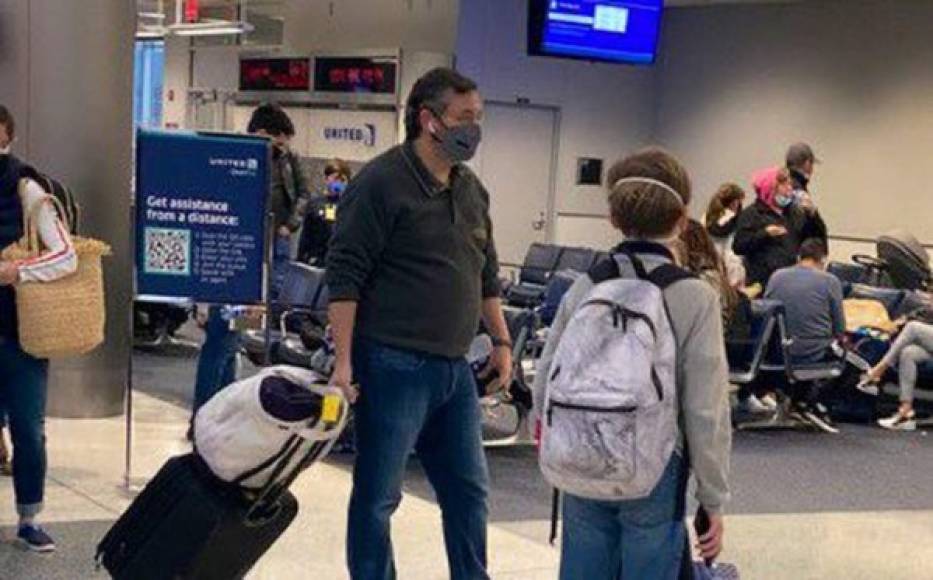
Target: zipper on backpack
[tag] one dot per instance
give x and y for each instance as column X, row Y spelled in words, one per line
column 656, row 380
column 587, row 408
column 621, row 315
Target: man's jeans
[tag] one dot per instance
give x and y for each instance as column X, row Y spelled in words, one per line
column 630, row 540
column 22, row 396
column 415, row 401
column 217, row 363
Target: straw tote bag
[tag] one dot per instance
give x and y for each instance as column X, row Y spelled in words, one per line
column 64, row 317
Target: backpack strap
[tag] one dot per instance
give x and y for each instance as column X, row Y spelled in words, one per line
column 555, row 515
column 663, row 276
column 667, row 275
column 607, row 269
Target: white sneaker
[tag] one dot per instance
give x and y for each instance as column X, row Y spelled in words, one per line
column 769, row 401
column 755, row 406
column 868, row 386
column 819, row 417
column 898, row 422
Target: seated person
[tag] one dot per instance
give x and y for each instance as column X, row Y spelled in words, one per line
column 813, row 304
column 721, row 220
column 697, row 253
column 912, row 347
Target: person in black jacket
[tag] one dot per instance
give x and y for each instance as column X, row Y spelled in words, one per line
column 321, row 217
column 800, row 162
column 769, row 233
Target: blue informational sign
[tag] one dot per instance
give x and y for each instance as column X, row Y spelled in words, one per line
column 613, row 30
column 200, row 216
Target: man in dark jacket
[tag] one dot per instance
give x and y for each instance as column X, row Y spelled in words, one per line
column 769, row 233
column 411, row 270
column 289, row 191
column 288, row 198
column 801, row 161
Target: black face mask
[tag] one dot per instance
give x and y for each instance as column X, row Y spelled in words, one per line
column 460, row 142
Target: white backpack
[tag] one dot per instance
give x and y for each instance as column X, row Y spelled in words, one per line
column 241, row 442
column 610, row 414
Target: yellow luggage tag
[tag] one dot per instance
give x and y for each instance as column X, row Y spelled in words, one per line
column 330, row 411
column 330, row 213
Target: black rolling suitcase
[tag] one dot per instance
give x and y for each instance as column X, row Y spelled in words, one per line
column 189, row 525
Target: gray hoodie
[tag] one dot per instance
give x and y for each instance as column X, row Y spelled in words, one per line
column 705, row 427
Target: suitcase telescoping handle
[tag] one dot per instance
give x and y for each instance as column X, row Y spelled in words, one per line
column 265, row 507
column 323, row 433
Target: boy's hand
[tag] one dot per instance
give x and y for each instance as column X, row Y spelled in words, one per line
column 709, row 544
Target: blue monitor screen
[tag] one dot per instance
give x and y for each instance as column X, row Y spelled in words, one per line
column 612, row 30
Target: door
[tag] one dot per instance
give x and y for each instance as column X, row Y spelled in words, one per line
column 516, row 163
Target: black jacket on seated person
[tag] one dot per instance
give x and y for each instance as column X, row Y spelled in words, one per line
column 764, row 254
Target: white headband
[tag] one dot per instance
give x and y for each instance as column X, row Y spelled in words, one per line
column 649, row 181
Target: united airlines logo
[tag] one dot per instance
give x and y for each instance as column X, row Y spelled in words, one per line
column 364, row 134
column 248, row 167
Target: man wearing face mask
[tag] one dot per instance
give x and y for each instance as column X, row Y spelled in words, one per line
column 321, row 216
column 412, row 269
column 769, row 233
column 801, row 161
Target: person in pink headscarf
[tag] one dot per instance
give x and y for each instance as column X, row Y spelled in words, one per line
column 770, row 232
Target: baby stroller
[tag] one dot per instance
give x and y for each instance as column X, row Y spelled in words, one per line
column 906, row 260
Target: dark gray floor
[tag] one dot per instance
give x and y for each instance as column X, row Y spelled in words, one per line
column 862, row 469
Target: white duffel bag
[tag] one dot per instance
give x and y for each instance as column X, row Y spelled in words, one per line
column 235, row 435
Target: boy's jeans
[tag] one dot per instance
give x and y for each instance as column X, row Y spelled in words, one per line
column 631, row 540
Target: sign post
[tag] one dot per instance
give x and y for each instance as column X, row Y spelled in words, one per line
column 200, row 228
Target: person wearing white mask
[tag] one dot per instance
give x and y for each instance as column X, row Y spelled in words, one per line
column 25, row 378
column 769, row 233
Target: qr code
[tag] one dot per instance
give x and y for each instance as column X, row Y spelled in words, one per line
column 168, row 251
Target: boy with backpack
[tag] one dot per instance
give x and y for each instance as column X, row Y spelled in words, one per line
column 632, row 392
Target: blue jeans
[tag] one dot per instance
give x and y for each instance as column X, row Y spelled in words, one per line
column 23, row 395
column 428, row 403
column 631, row 540
column 281, row 256
column 217, row 362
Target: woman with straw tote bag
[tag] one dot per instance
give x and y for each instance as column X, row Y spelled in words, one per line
column 60, row 308
column 24, row 375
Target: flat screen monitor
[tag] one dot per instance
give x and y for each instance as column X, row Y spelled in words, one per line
column 623, row 31
column 355, row 75
column 275, row 74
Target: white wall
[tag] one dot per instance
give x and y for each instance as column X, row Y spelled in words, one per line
column 415, row 25
column 425, row 30
column 606, row 110
column 737, row 84
column 175, row 83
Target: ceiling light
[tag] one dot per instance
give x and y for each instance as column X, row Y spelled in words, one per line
column 151, row 32
column 211, row 28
